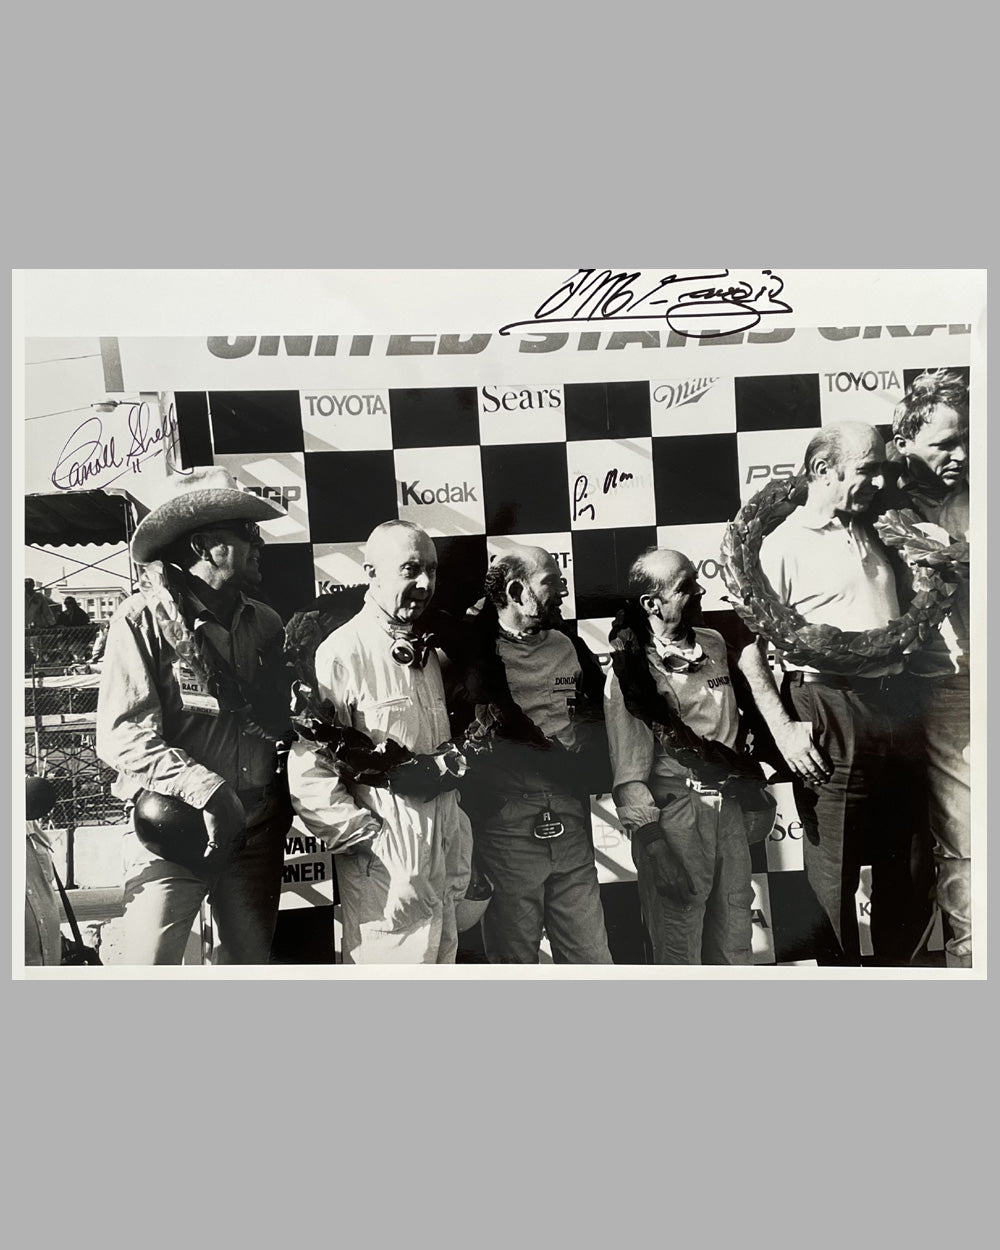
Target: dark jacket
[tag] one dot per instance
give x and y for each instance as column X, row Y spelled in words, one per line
column 522, row 759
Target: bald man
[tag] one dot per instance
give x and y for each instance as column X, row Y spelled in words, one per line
column 403, row 859
column 528, row 797
column 690, row 841
column 852, row 744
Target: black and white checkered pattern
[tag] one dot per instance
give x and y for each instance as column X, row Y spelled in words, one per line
column 594, row 472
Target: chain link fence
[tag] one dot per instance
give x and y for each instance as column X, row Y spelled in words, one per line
column 60, row 710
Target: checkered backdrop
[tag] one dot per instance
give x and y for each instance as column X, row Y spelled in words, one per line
column 594, row 472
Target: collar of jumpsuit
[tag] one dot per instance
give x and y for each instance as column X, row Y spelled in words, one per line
column 678, row 658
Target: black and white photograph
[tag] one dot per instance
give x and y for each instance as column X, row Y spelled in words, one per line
column 596, row 623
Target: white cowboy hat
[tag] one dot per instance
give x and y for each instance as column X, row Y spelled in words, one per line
column 204, row 496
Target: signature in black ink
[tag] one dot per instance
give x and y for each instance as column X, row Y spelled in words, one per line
column 87, row 456
column 579, row 495
column 612, row 480
column 725, row 305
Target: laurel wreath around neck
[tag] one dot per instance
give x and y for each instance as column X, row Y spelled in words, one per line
column 936, row 570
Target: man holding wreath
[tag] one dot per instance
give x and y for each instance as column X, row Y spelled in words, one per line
column 850, row 739
column 930, row 445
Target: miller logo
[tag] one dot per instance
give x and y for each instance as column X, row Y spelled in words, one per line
column 675, row 394
column 444, row 494
column 281, row 495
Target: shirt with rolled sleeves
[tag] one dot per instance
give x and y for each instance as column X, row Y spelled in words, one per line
column 703, row 698
column 149, row 723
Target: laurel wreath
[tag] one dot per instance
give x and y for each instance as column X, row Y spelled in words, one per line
column 936, row 570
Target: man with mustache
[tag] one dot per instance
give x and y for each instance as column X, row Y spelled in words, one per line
column 930, row 443
column 403, row 857
column 193, row 701
column 528, row 796
column 852, row 743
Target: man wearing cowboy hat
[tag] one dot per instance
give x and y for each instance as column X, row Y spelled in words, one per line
column 190, row 711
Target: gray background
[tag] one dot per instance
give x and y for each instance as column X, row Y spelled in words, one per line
column 479, row 1112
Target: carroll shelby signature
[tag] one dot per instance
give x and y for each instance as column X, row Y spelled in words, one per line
column 695, row 305
column 89, row 460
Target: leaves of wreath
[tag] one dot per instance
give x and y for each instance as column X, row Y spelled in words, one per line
column 936, row 568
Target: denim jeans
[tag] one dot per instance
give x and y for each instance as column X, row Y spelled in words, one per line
column 162, row 898
column 945, row 703
column 550, row 885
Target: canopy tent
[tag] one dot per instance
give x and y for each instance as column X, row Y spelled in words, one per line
column 99, row 518
column 77, row 518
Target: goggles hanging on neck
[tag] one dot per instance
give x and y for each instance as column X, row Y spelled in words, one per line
column 412, row 652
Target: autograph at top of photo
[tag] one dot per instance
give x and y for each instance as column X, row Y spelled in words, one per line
column 87, row 457
column 694, row 305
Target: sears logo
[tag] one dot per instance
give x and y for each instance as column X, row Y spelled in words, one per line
column 512, row 401
column 339, row 405
column 761, row 472
column 447, row 493
column 884, row 380
column 281, row 495
column 675, row 394
column 792, row 831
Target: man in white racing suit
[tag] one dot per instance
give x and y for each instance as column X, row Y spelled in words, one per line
column 403, row 858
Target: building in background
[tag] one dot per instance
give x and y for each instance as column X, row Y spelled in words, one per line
column 99, row 602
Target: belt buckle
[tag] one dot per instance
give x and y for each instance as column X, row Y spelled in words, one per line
column 699, row 788
column 547, row 826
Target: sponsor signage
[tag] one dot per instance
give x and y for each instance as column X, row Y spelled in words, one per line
column 278, row 477
column 612, row 849
column 860, row 395
column 784, row 842
column 441, row 489
column 338, row 567
column 695, row 405
column 307, row 873
column 702, row 544
column 346, row 420
column 765, row 455
column 521, row 414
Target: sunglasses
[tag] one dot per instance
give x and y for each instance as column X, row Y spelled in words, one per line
column 248, row 530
